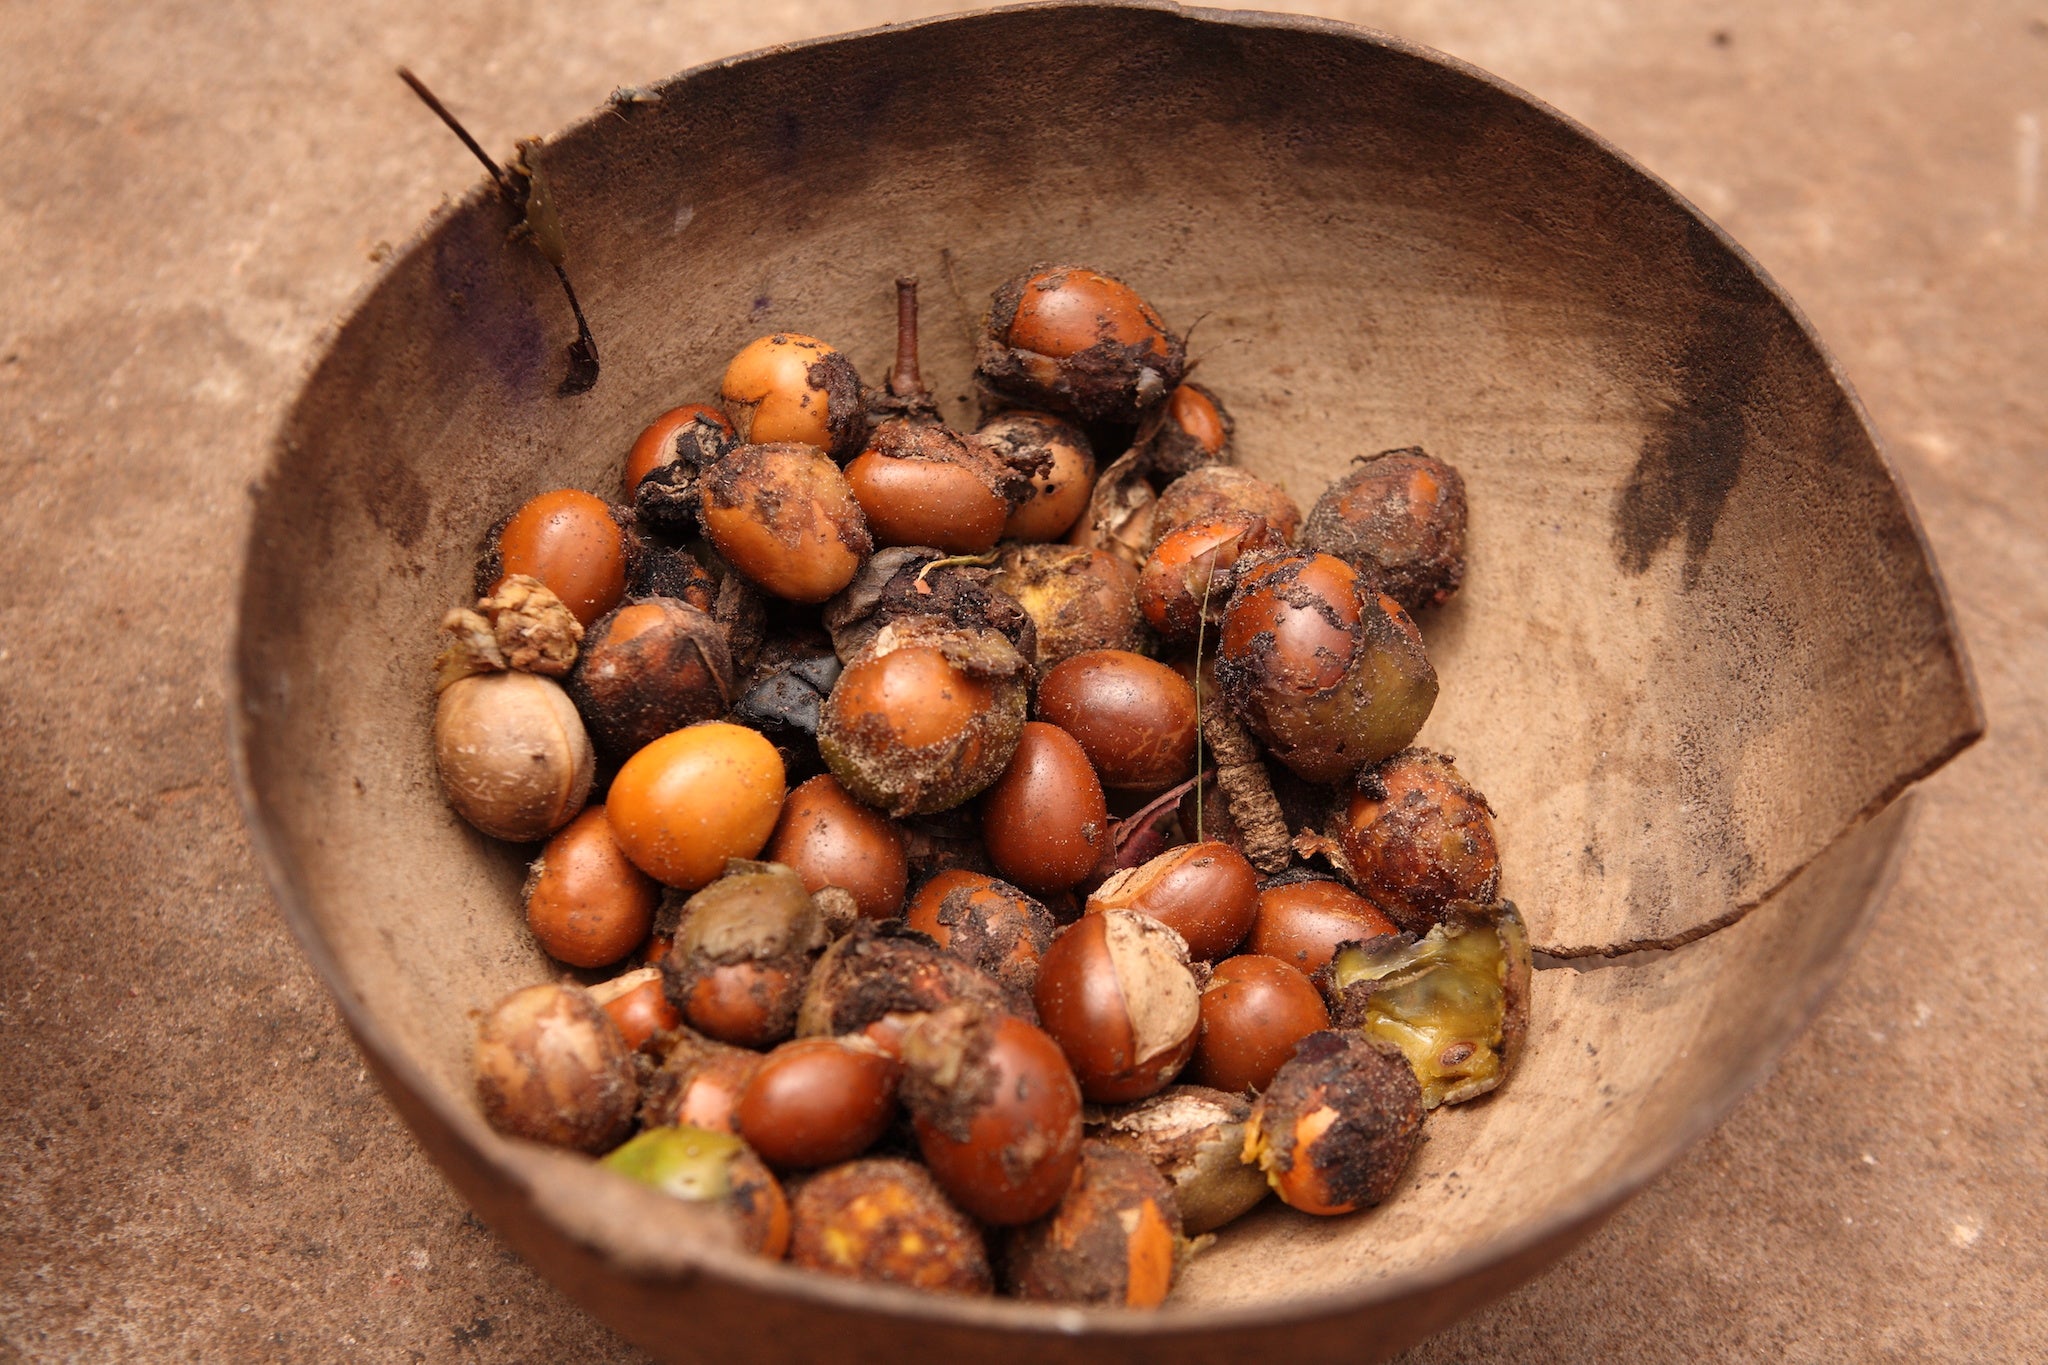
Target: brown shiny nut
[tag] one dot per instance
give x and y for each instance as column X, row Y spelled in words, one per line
column 1399, row 519
column 698, row 1085
column 1045, row 821
column 1331, row 675
column 1134, row 717
column 1420, row 838
column 995, row 1109
column 648, row 668
column 1303, row 922
column 785, row 517
column 884, row 1220
column 1057, row 459
column 1184, row 586
column 551, row 1067
column 1194, row 1136
column 1254, row 1011
column 1078, row 599
column 1220, row 490
column 1115, row 991
column 833, row 840
column 1206, row 893
column 1337, row 1126
column 743, row 954
column 569, row 540
column 586, row 903
column 1077, row 341
column 1190, row 430
column 701, row 1166
column 1113, row 1239
column 925, row 484
column 640, row 1008
column 689, row 433
column 925, row 717
column 792, row 388
column 685, row 804
column 514, row 758
column 817, row 1102
column 877, row 970
column 985, row 921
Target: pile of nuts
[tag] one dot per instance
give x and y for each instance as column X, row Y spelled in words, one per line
column 1109, row 895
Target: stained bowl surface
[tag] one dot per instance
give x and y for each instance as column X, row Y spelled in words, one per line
column 1700, row 651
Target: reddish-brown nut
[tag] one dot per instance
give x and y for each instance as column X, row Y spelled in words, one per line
column 995, row 1109
column 833, row 840
column 921, row 483
column 680, row 433
column 640, row 1008
column 1303, row 922
column 551, row 1067
column 1331, row 675
column 1399, row 519
column 1207, row 893
column 817, row 1102
column 1221, row 490
column 1194, row 1136
column 1078, row 341
column 743, row 954
column 701, row 1166
column 794, row 388
column 1061, row 465
column 1185, row 585
column 877, row 970
column 570, row 541
column 1113, row 1239
column 1336, row 1128
column 1134, row 717
column 1189, row 430
column 786, row 519
column 514, row 758
column 885, row 1220
column 586, row 903
column 689, row 801
column 1078, row 599
column 1116, row 992
column 1254, row 1011
column 1045, row 822
column 698, row 1085
column 985, row 921
column 1420, row 838
column 648, row 668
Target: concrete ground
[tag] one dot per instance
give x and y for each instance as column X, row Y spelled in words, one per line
column 195, row 1164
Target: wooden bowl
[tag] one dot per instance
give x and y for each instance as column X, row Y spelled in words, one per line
column 1700, row 652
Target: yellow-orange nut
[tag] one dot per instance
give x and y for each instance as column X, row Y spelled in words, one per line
column 693, row 798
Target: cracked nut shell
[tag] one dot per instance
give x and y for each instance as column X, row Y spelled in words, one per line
column 551, row 1067
column 1116, row 992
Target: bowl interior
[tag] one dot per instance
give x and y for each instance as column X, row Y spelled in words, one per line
column 1700, row 637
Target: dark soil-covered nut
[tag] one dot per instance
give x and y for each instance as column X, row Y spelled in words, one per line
column 1078, row 599
column 1116, row 991
column 1055, row 457
column 1190, row 430
column 833, row 840
column 1399, row 519
column 692, row 436
column 1303, row 921
column 922, row 483
column 1255, row 1009
column 1336, row 1128
column 522, row 625
column 585, row 902
column 1331, row 675
column 1194, row 1136
column 784, row 694
column 1134, row 717
column 1077, row 341
column 514, row 758
column 572, row 541
column 1455, row 1002
column 648, row 668
column 884, row 1220
column 926, row 716
column 1419, row 838
column 817, row 1102
column 1113, row 1240
column 917, row 581
column 1045, row 821
column 551, row 1067
column 673, row 571
column 785, row 518
column 698, row 1084
column 986, row 921
column 1206, row 893
column 641, row 1009
column 995, row 1109
column 881, row 969
column 705, row 1167
column 1185, row 584
column 793, row 388
column 1221, row 490
column 1118, row 520
column 743, row 954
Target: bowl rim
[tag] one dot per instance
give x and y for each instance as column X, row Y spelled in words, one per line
column 394, row 1066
